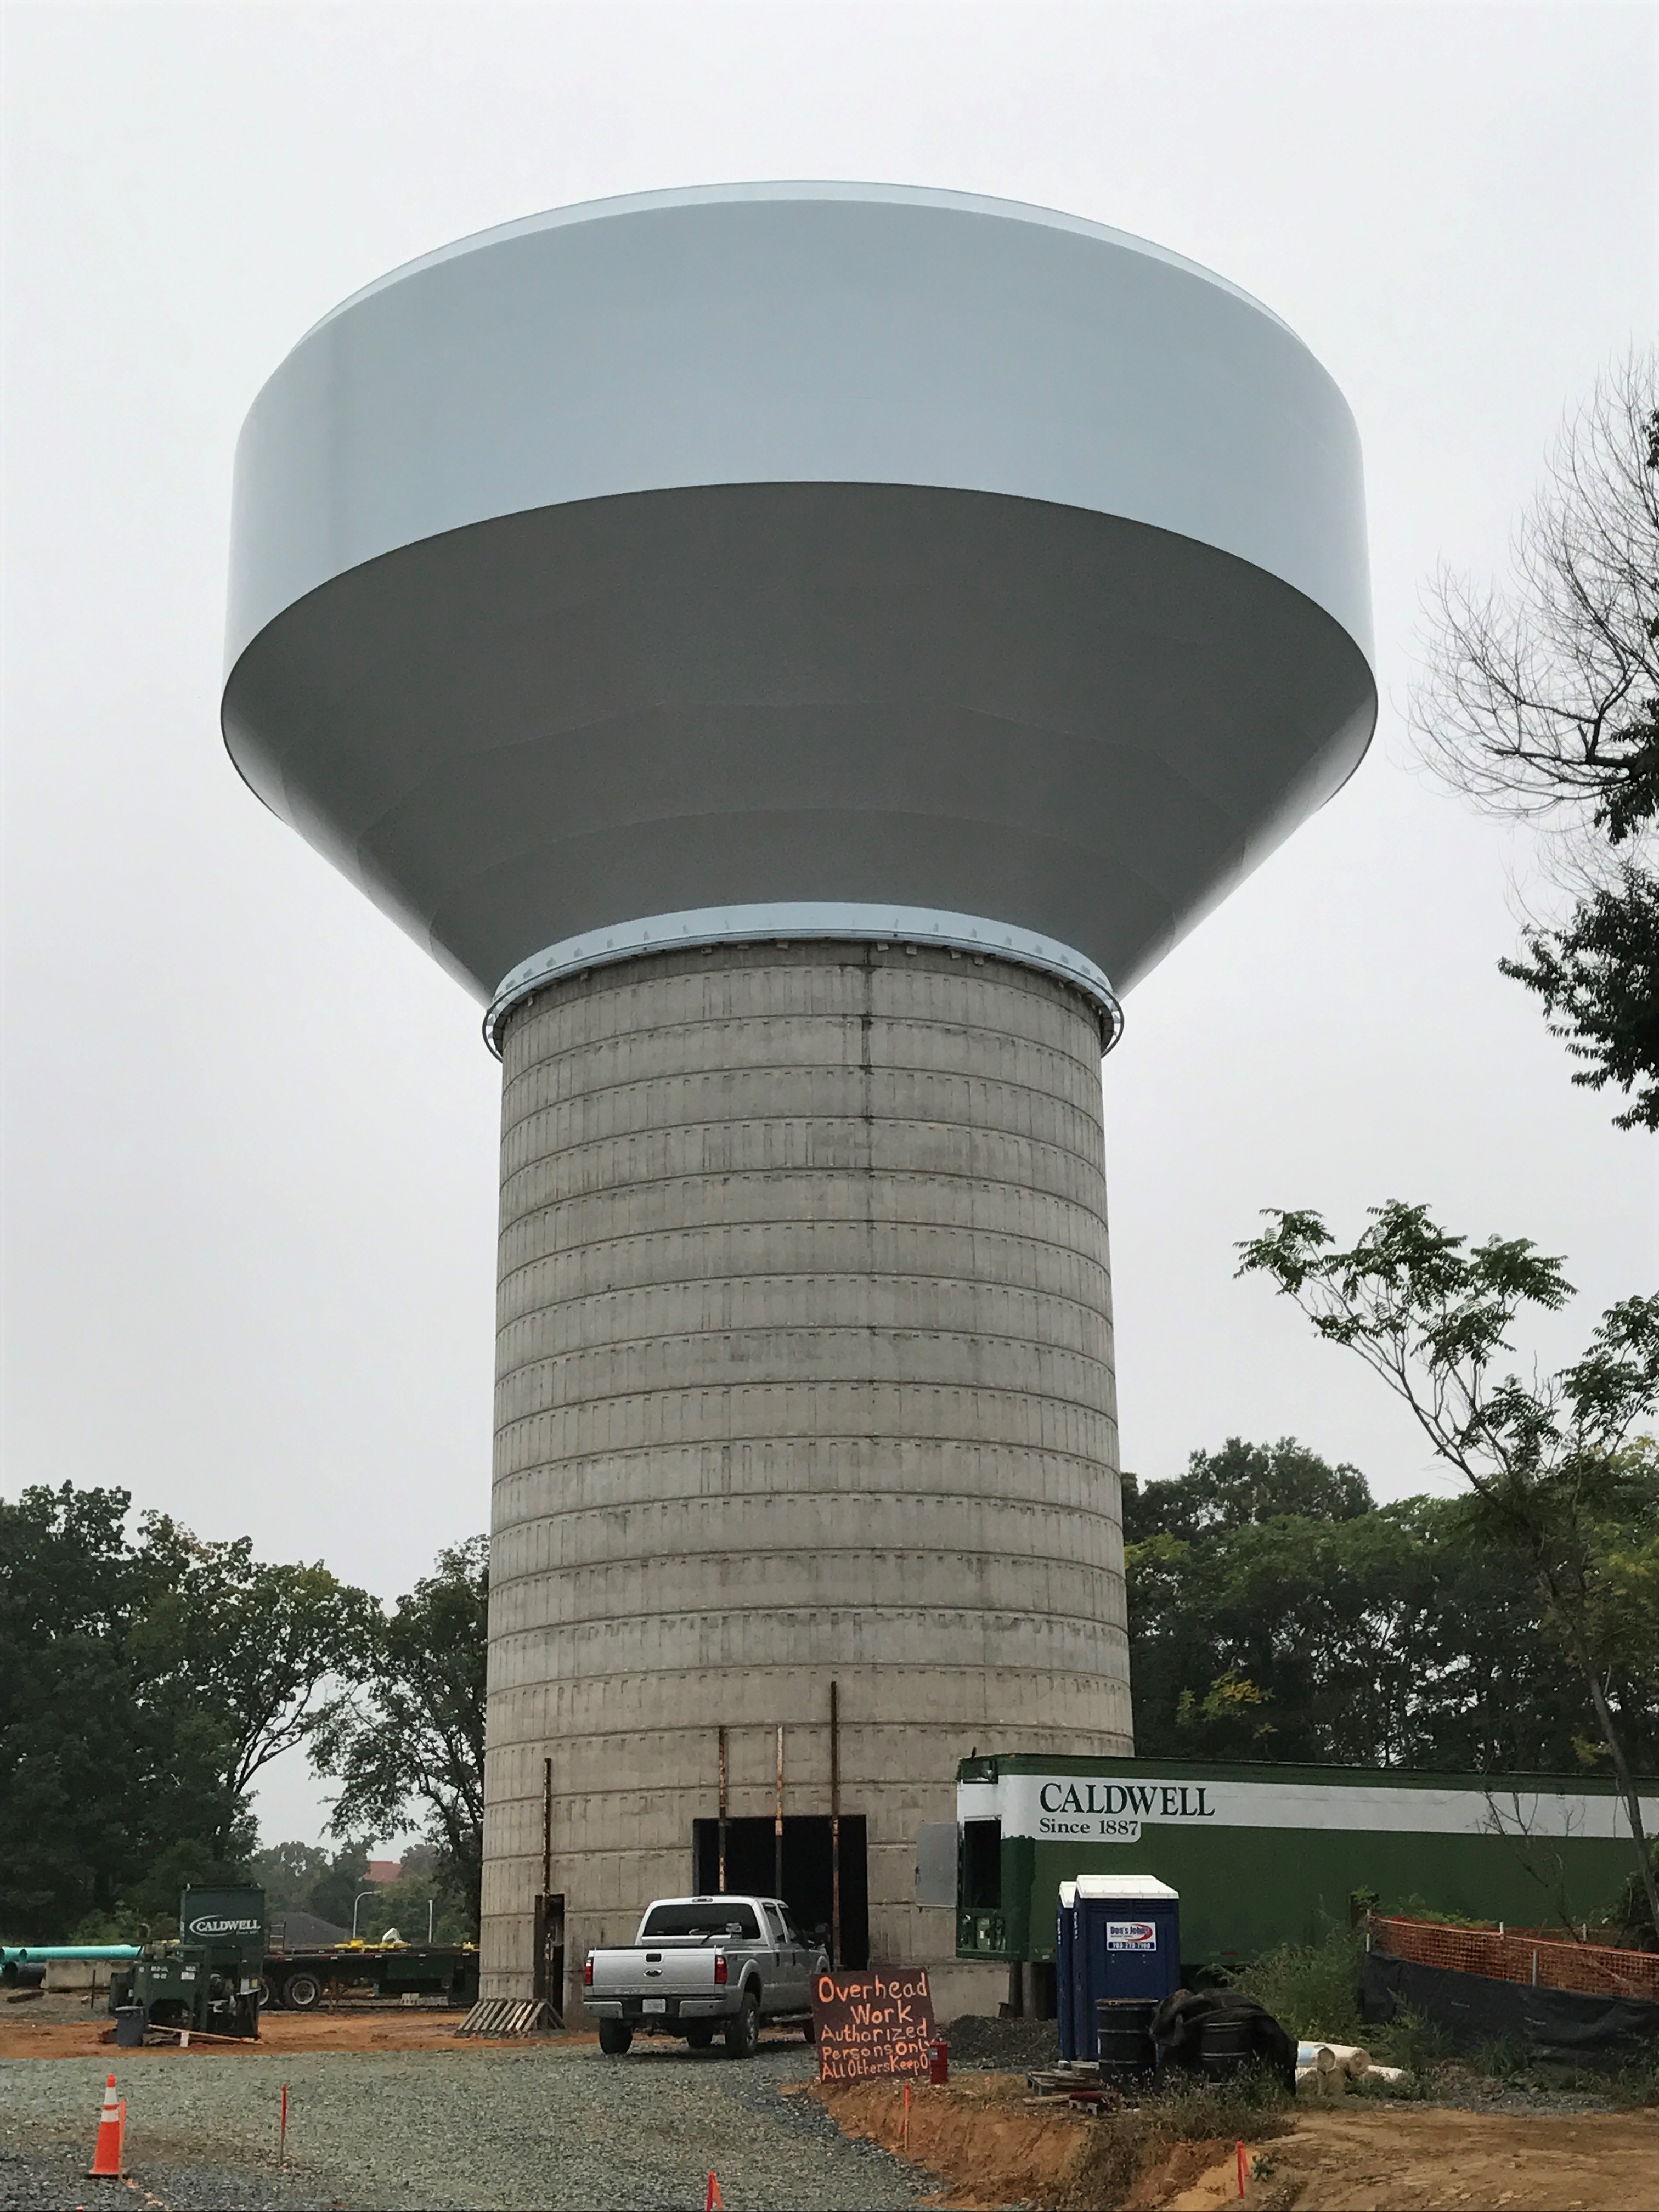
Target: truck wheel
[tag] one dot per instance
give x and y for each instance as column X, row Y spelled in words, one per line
column 615, row 2036
column 699, row 2037
column 302, row 1992
column 743, row 2029
column 265, row 1994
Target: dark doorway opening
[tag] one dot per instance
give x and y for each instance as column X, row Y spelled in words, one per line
column 752, row 1871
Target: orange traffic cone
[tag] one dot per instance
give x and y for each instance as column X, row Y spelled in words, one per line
column 713, row 2200
column 112, row 2132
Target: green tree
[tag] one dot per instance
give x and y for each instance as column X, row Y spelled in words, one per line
column 259, row 1645
column 424, row 1879
column 410, row 1732
column 1243, row 1483
column 1550, row 1472
column 142, row 1687
column 1543, row 700
column 335, row 1891
column 288, row 1873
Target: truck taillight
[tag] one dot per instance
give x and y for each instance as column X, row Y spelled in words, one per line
column 720, row 1970
column 587, row 1972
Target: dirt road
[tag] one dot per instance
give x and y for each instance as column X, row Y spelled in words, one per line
column 1395, row 2158
column 382, row 2027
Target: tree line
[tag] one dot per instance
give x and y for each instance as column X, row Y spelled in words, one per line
column 1277, row 1612
column 148, row 1678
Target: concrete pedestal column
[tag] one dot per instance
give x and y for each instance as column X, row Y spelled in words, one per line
column 805, row 1376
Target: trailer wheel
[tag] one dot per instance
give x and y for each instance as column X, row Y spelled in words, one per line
column 615, row 2036
column 265, row 1996
column 302, row 1992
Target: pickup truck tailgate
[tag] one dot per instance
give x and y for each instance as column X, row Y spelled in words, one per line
column 666, row 1969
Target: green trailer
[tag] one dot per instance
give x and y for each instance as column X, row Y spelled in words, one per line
column 1265, row 1854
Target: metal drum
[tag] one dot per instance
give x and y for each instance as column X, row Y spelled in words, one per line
column 1225, row 2048
column 1127, row 2051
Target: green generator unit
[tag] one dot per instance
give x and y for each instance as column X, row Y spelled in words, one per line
column 209, row 1980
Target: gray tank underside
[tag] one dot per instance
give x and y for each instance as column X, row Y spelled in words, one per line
column 767, row 543
column 562, row 718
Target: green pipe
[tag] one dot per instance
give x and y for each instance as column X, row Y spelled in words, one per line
column 21, row 1951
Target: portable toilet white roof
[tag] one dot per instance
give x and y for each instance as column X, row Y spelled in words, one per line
column 1067, row 1894
column 1119, row 1885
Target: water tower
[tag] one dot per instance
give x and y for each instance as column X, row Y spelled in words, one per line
column 796, row 654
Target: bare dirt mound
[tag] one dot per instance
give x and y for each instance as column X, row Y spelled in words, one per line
column 993, row 2144
column 996, row 2146
column 1415, row 2158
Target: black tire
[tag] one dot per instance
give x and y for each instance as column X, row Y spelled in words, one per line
column 265, row 1994
column 742, row 2030
column 302, row 1993
column 615, row 2036
column 701, row 2036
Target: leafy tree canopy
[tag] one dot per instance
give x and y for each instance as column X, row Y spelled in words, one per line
column 141, row 1685
column 1240, row 1483
column 410, row 1734
column 1556, row 1484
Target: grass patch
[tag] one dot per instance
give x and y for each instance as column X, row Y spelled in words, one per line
column 1312, row 1989
column 1122, row 2149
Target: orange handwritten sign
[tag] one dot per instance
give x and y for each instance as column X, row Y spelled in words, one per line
column 876, row 2022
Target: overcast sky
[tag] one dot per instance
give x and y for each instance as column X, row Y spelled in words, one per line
column 250, row 1134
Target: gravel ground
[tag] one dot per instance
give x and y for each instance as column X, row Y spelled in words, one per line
column 490, row 2132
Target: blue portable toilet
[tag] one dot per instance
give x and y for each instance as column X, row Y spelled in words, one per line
column 1063, row 1915
column 1125, row 1943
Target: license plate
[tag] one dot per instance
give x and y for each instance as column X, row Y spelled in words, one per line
column 656, row 2004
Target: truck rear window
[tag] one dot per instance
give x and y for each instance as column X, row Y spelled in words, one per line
column 717, row 1917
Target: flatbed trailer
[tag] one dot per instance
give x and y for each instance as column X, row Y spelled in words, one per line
column 300, row 1980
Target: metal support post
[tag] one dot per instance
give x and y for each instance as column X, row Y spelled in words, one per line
column 834, row 1825
column 722, row 1817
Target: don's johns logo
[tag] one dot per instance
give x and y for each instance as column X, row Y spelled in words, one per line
column 1131, row 1935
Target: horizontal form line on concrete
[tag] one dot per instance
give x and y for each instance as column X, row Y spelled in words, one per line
column 940, row 1437
column 858, row 1269
column 894, row 1333
column 888, row 1072
column 630, row 1179
column 867, row 1124
column 593, row 1248
column 803, row 1333
column 992, row 1620
column 875, row 1494
column 566, row 1570
column 604, row 1011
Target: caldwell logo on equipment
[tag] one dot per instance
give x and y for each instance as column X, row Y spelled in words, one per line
column 1131, row 1935
column 213, row 1924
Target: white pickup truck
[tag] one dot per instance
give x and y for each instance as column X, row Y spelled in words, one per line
column 703, row 1963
